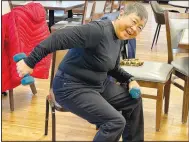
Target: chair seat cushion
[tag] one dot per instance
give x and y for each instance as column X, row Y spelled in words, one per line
column 181, row 65
column 151, row 71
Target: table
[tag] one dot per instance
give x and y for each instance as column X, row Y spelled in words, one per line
column 181, row 4
column 184, row 40
column 55, row 5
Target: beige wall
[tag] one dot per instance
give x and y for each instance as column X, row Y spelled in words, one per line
column 5, row 7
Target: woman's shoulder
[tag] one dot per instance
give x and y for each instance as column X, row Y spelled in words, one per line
column 101, row 23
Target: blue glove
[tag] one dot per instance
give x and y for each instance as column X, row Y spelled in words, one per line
column 135, row 92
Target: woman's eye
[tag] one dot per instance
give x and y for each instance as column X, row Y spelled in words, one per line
column 140, row 28
column 134, row 22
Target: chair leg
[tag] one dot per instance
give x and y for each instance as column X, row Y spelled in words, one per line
column 11, row 100
column 47, row 117
column 155, row 36
column 159, row 103
column 4, row 93
column 158, row 34
column 185, row 101
column 167, row 95
column 187, row 10
column 53, row 125
column 33, row 88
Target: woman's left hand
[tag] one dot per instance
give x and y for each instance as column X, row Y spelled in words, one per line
column 133, row 84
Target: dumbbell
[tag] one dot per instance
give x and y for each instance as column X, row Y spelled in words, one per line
column 135, row 92
column 27, row 79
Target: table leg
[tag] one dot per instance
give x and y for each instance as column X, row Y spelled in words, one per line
column 70, row 14
column 187, row 10
column 51, row 18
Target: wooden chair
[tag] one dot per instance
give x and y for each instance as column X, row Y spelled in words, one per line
column 57, row 58
column 115, row 6
column 50, row 100
column 175, row 23
column 98, row 10
column 32, row 86
column 153, row 75
column 10, row 4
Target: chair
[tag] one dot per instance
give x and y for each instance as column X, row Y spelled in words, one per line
column 10, row 4
column 98, row 10
column 153, row 75
column 58, row 14
column 50, row 100
column 175, row 23
column 159, row 18
column 88, row 11
column 112, row 6
column 116, row 5
column 7, row 6
column 32, row 86
column 57, row 58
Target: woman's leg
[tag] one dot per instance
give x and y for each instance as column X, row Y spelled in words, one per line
column 132, row 110
column 90, row 105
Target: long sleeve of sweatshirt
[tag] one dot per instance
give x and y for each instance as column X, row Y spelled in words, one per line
column 119, row 74
column 94, row 50
column 84, row 36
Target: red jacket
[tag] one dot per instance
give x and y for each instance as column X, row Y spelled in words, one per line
column 22, row 29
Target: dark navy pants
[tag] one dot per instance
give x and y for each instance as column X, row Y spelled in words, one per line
column 100, row 105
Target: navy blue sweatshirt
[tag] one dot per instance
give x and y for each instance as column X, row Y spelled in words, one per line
column 94, row 52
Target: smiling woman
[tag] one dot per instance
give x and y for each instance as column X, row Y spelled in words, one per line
column 81, row 84
column 131, row 21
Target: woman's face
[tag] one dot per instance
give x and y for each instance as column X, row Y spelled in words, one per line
column 128, row 26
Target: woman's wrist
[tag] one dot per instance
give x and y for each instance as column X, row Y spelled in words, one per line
column 130, row 80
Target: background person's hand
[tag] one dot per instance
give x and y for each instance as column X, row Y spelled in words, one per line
column 23, row 69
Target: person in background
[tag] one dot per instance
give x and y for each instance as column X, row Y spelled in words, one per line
column 81, row 84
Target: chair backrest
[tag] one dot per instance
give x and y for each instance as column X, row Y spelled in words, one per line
column 158, row 12
column 156, row 7
column 99, row 10
column 115, row 5
column 100, row 6
column 26, row 28
column 89, row 8
column 175, row 23
column 12, row 2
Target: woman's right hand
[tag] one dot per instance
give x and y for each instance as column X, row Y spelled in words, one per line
column 23, row 69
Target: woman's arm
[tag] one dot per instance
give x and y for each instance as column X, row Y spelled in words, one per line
column 120, row 74
column 84, row 36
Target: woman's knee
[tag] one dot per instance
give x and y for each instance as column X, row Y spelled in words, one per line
column 121, row 121
column 117, row 123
